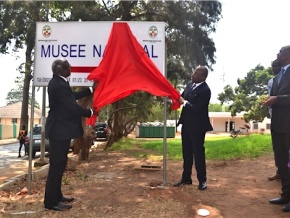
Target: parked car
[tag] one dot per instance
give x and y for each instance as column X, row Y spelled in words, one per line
column 101, row 131
column 36, row 141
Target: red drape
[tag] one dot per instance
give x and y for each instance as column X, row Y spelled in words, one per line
column 125, row 69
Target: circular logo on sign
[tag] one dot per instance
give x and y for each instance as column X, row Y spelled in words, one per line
column 153, row 31
column 46, row 31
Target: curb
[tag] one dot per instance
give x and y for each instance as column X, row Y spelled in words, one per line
column 36, row 175
column 8, row 142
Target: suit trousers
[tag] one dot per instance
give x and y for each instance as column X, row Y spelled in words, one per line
column 281, row 146
column 193, row 150
column 58, row 151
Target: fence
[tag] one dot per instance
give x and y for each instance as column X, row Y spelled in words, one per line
column 154, row 132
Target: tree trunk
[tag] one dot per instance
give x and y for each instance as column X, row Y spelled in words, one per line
column 119, row 124
column 86, row 143
column 83, row 144
column 27, row 78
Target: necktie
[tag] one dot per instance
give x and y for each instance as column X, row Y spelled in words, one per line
column 281, row 74
column 193, row 86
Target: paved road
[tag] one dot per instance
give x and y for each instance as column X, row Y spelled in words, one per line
column 9, row 155
column 10, row 164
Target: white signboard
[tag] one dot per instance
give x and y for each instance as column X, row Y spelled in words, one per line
column 83, row 45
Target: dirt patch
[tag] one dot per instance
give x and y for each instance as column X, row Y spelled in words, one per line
column 114, row 185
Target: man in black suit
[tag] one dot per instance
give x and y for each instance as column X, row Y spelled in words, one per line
column 63, row 124
column 279, row 100
column 195, row 123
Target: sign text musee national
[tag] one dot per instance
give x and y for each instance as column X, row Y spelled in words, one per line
column 83, row 45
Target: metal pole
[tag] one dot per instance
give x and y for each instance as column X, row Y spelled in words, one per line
column 164, row 141
column 42, row 148
column 164, row 124
column 42, row 161
column 29, row 174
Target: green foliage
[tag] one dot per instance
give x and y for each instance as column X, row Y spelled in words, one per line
column 227, row 96
column 16, row 94
column 218, row 108
column 247, row 96
column 242, row 147
column 17, row 26
column 258, row 110
column 157, row 113
column 216, row 148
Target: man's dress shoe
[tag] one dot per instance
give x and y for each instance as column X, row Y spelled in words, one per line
column 286, row 208
column 181, row 182
column 275, row 177
column 278, row 201
column 60, row 207
column 64, row 199
column 202, row 186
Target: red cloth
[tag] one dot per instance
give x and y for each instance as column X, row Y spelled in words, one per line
column 125, row 69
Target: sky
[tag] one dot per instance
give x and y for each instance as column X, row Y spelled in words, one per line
column 251, row 32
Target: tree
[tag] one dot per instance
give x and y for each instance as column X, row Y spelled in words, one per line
column 249, row 94
column 16, row 94
column 228, row 96
column 218, row 108
column 17, row 25
column 126, row 113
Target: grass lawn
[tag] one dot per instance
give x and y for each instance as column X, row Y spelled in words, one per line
column 216, row 148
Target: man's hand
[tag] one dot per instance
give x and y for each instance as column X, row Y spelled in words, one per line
column 95, row 86
column 181, row 100
column 270, row 101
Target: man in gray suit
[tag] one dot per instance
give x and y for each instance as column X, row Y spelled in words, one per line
column 279, row 100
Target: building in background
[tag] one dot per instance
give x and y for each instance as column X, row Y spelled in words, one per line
column 10, row 119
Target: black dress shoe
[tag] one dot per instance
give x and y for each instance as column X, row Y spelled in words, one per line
column 202, row 186
column 59, row 207
column 286, row 208
column 274, row 177
column 278, row 201
column 64, row 199
column 181, row 182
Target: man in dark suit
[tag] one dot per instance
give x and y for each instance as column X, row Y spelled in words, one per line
column 279, row 100
column 195, row 123
column 63, row 124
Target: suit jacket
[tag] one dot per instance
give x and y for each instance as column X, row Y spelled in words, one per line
column 194, row 116
column 64, row 118
column 280, row 120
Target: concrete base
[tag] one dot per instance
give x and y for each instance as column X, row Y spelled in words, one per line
column 36, row 175
column 40, row 163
